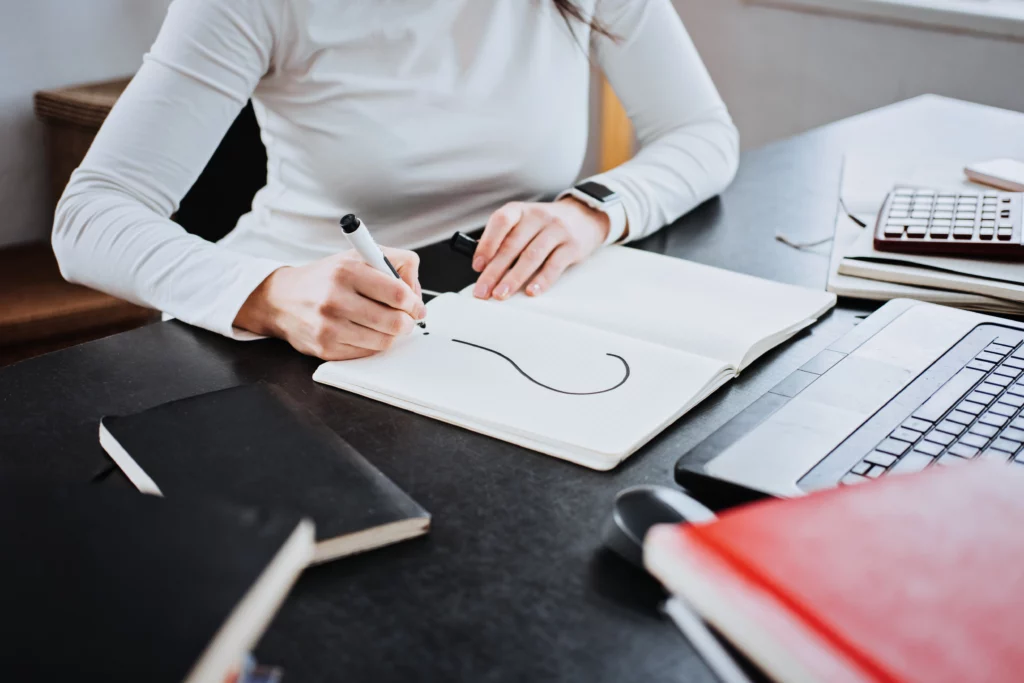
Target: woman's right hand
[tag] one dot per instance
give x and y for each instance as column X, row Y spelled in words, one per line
column 337, row 308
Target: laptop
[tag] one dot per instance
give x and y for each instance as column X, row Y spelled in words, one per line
column 913, row 386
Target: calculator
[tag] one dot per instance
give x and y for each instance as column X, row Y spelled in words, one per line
column 984, row 224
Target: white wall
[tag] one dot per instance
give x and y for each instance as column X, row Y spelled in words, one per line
column 45, row 44
column 782, row 72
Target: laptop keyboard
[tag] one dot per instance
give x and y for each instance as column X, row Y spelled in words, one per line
column 976, row 414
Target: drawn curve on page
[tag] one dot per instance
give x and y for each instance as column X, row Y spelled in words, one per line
column 522, row 372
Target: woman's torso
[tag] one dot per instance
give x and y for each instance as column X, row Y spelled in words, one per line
column 420, row 116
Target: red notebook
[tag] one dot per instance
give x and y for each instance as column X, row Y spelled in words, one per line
column 909, row 578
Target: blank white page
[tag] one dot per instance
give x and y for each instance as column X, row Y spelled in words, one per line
column 635, row 388
column 684, row 305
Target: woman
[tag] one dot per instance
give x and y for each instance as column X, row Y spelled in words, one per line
column 420, row 116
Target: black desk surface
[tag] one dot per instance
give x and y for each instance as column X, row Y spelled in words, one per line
column 509, row 586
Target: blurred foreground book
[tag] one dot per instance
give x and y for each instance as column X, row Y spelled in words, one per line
column 908, row 578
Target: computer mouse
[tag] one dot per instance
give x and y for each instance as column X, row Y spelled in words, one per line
column 639, row 508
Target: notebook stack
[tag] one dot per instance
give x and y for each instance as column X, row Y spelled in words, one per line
column 858, row 270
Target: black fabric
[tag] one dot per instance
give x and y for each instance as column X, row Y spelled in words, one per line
column 114, row 586
column 254, row 445
column 225, row 189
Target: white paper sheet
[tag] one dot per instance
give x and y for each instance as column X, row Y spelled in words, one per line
column 436, row 375
column 680, row 304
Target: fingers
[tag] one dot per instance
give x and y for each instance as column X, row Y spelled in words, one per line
column 407, row 263
column 380, row 288
column 520, row 236
column 553, row 236
column 343, row 352
column 365, row 338
column 497, row 229
column 336, row 338
column 560, row 259
column 376, row 316
column 332, row 338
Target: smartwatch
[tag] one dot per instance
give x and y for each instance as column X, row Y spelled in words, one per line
column 601, row 198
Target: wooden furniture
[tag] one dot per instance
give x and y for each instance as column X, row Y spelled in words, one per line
column 510, row 584
column 72, row 116
column 39, row 310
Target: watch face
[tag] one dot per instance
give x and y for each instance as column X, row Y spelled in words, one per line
column 595, row 190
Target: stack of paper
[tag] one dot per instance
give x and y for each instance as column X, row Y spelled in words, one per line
column 858, row 270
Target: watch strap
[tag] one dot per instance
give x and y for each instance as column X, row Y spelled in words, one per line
column 614, row 209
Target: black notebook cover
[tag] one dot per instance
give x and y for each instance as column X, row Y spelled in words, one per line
column 254, row 445
column 105, row 585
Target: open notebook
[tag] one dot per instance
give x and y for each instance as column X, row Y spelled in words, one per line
column 592, row 370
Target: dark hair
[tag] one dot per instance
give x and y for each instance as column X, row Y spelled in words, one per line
column 570, row 11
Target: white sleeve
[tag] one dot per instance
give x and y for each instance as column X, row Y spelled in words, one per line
column 112, row 229
column 689, row 147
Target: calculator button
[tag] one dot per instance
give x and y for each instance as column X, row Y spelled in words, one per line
column 1005, row 225
column 942, row 222
column 944, row 214
column 939, row 233
column 963, row 223
column 899, row 214
column 988, row 223
column 916, row 231
column 988, row 215
column 904, row 192
column 986, row 233
column 920, row 214
column 1005, row 234
column 925, row 193
column 894, row 231
column 963, row 233
column 923, row 222
column 991, row 195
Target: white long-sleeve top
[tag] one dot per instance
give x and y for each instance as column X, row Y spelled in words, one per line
column 420, row 116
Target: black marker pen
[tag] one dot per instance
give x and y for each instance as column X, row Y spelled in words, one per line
column 463, row 244
column 361, row 240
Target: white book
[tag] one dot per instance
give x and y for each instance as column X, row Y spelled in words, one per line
column 985, row 277
column 589, row 372
column 843, row 280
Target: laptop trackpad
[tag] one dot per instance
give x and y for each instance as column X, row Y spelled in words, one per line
column 775, row 455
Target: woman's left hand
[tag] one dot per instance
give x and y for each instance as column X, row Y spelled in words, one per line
column 531, row 245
